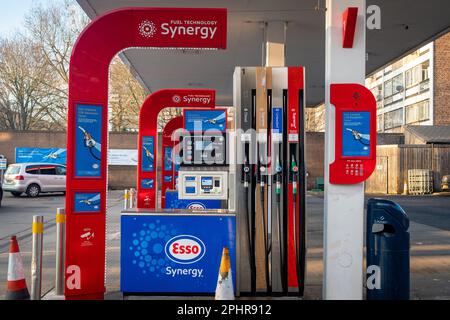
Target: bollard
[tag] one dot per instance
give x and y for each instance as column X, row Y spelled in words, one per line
column 60, row 250
column 132, row 198
column 36, row 257
column 125, row 199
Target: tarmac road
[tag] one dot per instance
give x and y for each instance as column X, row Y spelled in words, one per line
column 430, row 241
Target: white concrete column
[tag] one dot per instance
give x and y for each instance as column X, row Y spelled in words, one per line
column 344, row 204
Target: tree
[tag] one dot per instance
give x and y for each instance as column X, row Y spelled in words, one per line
column 34, row 73
column 24, row 104
column 125, row 98
column 54, row 28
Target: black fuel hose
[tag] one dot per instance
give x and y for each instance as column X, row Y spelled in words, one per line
column 248, row 219
column 92, row 153
column 294, row 170
column 280, row 230
column 265, row 236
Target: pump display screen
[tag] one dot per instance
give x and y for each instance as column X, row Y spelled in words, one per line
column 203, row 149
column 207, row 182
column 356, row 134
column 203, row 145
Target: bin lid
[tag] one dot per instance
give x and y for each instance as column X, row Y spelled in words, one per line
column 392, row 208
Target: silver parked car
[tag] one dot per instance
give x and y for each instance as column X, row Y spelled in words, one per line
column 34, row 178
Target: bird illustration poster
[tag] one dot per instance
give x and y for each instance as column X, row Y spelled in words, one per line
column 86, row 202
column 204, row 120
column 41, row 155
column 356, row 134
column 148, row 154
column 88, row 141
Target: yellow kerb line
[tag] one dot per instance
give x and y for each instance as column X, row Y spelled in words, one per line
column 37, row 227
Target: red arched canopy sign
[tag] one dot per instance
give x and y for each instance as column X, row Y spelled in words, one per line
column 147, row 144
column 87, row 127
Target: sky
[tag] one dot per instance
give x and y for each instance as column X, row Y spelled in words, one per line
column 12, row 13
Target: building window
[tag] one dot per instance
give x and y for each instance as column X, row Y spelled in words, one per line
column 378, row 92
column 388, row 88
column 393, row 119
column 417, row 74
column 418, row 112
column 380, row 123
column 397, row 84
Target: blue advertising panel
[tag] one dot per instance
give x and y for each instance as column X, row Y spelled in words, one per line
column 88, row 140
column 86, row 202
column 177, row 162
column 41, row 155
column 203, row 120
column 148, row 154
column 167, row 179
column 174, row 254
column 277, row 120
column 356, row 134
column 167, row 158
column 147, row 183
column 172, row 202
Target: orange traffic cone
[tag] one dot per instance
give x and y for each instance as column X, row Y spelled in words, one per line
column 224, row 289
column 17, row 286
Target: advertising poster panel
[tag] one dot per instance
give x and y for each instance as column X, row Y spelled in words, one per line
column 356, row 134
column 173, row 254
column 148, row 154
column 88, row 141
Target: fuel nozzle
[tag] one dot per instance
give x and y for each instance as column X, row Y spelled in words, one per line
column 262, row 172
column 294, row 171
column 246, row 169
column 88, row 140
column 278, row 177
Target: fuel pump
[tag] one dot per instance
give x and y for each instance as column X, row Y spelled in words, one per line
column 270, row 102
column 204, row 172
column 177, row 249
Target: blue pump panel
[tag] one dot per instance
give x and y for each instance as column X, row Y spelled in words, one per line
column 168, row 253
column 172, row 202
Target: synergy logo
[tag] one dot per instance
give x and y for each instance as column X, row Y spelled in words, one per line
column 147, row 29
column 185, row 249
column 176, row 98
column 203, row 29
column 196, row 206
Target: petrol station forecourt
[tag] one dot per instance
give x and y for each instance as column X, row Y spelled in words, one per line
column 221, row 206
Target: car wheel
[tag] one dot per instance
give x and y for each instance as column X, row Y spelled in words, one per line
column 33, row 190
column 16, row 194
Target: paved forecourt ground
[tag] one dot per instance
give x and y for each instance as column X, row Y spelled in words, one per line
column 430, row 242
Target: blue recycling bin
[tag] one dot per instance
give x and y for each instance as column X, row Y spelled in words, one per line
column 387, row 245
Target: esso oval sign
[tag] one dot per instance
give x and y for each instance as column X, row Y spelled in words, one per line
column 196, row 206
column 185, row 249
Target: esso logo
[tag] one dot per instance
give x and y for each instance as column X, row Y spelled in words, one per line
column 185, row 249
column 196, row 206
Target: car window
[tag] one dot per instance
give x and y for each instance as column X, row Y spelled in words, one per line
column 12, row 169
column 48, row 170
column 32, row 169
column 61, row 171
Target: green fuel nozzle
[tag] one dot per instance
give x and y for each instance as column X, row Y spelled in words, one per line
column 294, row 170
column 278, row 176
